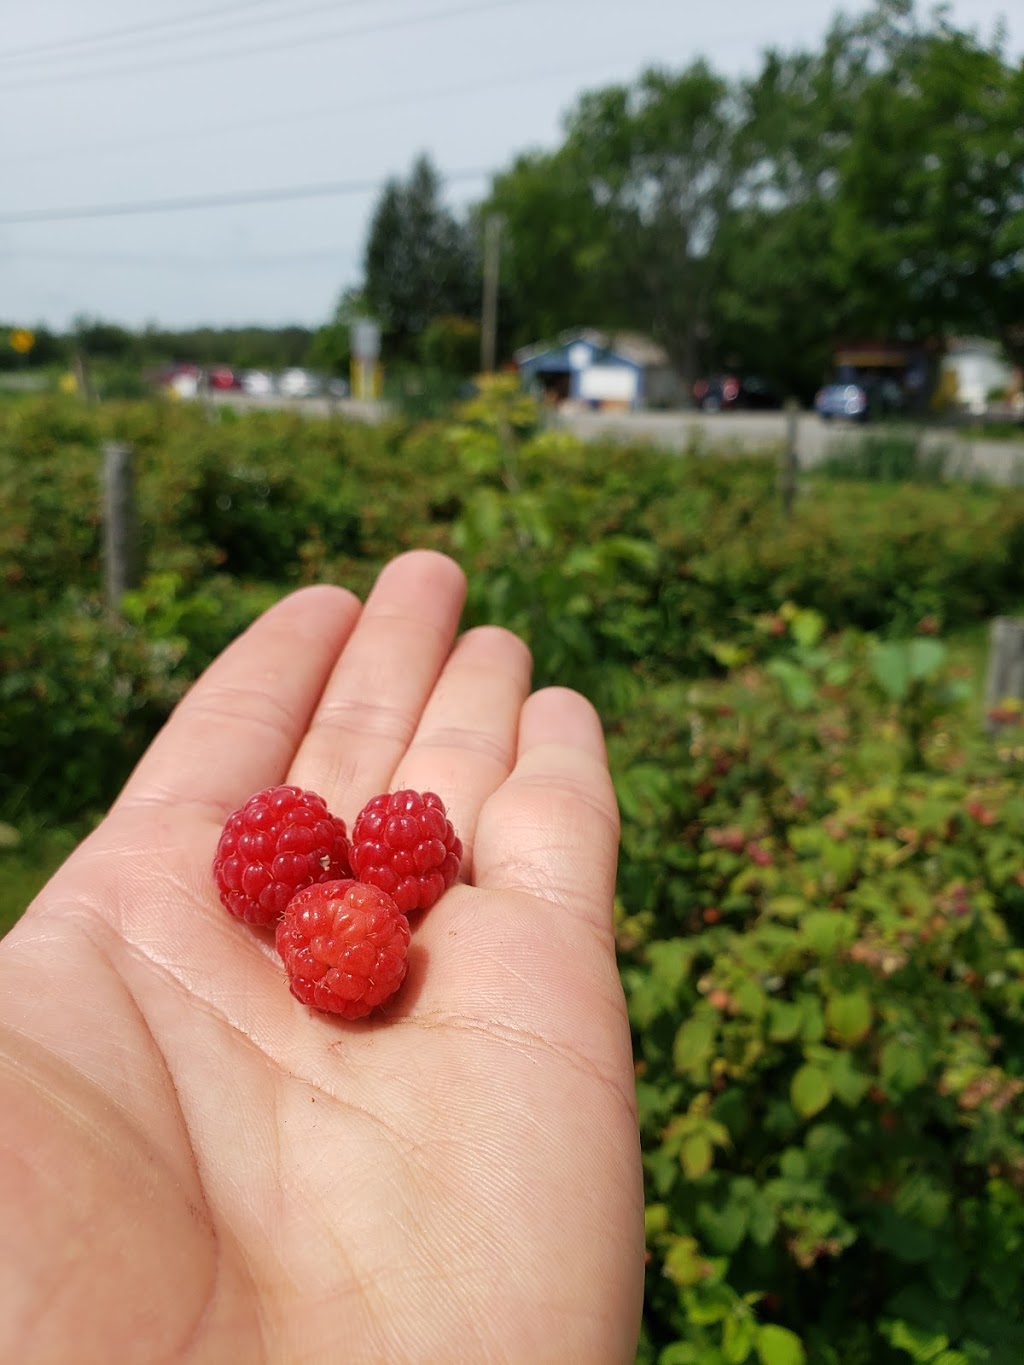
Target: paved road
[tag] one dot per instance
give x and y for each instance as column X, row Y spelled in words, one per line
column 1000, row 461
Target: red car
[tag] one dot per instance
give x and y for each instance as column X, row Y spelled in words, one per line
column 222, row 377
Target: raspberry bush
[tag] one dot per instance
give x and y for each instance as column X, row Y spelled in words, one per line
column 820, row 910
column 822, row 940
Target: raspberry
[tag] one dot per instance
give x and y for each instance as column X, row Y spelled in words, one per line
column 405, row 844
column 344, row 946
column 281, row 840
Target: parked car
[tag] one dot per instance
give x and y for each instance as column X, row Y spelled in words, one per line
column 257, row 383
column 222, row 377
column 183, row 380
column 859, row 400
column 298, row 383
column 728, row 391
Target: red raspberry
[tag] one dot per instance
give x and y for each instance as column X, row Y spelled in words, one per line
column 344, row 945
column 281, row 840
column 405, row 844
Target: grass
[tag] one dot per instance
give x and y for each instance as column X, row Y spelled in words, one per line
column 890, row 455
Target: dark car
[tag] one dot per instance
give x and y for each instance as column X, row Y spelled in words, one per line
column 858, row 400
column 725, row 392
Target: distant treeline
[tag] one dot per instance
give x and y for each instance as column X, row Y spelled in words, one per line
column 241, row 347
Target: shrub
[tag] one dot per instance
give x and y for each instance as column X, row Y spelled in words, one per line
column 822, row 940
column 451, row 345
column 821, row 895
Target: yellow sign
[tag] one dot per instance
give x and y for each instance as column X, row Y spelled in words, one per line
column 367, row 379
column 22, row 340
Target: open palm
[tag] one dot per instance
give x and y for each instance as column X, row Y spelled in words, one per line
column 195, row 1167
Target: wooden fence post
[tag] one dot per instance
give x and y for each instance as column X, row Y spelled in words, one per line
column 1005, row 666
column 83, row 381
column 790, row 458
column 120, row 524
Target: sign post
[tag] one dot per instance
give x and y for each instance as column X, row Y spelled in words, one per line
column 365, row 359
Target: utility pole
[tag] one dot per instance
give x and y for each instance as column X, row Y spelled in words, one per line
column 489, row 311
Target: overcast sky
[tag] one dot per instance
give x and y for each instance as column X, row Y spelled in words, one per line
column 112, row 102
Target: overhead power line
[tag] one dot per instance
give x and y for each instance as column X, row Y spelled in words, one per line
column 185, row 33
column 58, row 45
column 282, row 194
column 160, row 260
column 254, row 49
column 320, row 113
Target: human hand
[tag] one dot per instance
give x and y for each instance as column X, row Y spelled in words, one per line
column 196, row 1168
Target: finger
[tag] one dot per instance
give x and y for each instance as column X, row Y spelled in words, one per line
column 466, row 741
column 374, row 699
column 237, row 729
column 552, row 830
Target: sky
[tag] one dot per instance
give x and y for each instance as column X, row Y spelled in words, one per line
column 113, row 104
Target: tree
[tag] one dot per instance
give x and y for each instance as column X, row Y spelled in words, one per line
column 331, row 347
column 658, row 158
column 555, row 246
column 930, row 219
column 451, row 346
column 420, row 261
column 776, row 305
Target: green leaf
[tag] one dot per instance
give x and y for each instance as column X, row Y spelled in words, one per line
column 779, row 1346
column 797, row 684
column 848, row 1084
column 738, row 1337
column 903, row 1068
column 825, row 930
column 764, row 1222
column 904, row 1238
column 656, row 1221
column 681, row 1353
column 923, row 1199
column 849, row 1017
column 723, row 1228
column 750, row 999
column 784, row 1021
column 810, row 1091
column 925, row 658
column 807, row 627
column 694, row 1046
column 813, row 1028
column 896, row 665
column 890, row 668
column 922, row 1345
column 684, row 1265
column 696, row 1155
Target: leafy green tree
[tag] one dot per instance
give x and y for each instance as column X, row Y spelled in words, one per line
column 105, row 340
column 452, row 346
column 556, row 246
column 659, row 161
column 420, row 260
column 777, row 303
column 930, row 214
column 331, row 347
